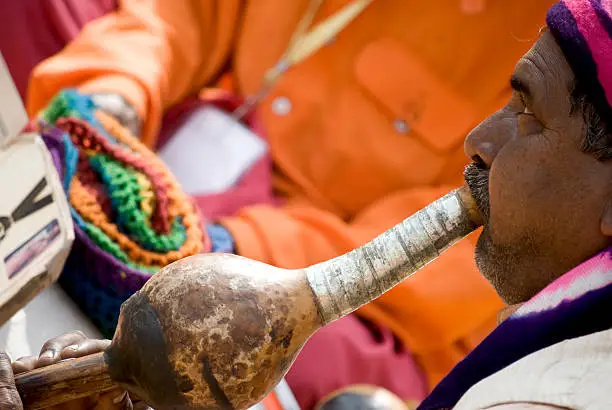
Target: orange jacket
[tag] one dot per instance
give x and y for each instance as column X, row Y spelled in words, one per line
column 371, row 129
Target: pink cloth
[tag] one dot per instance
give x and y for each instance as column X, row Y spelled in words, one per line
column 32, row 30
column 351, row 351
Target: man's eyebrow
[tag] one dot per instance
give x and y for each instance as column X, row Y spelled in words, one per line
column 520, row 86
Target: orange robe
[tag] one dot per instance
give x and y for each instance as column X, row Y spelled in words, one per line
column 371, row 127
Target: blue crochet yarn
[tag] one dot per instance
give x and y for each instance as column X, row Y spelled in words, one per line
column 72, row 158
column 100, row 304
column 83, row 107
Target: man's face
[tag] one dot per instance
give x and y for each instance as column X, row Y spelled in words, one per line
column 546, row 203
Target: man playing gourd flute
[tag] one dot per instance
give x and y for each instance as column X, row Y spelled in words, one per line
column 541, row 176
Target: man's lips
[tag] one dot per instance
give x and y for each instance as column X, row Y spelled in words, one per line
column 477, row 178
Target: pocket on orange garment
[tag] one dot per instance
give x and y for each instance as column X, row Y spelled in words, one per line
column 403, row 85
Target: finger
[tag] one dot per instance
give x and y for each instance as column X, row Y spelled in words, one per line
column 24, row 364
column 84, row 348
column 6, row 371
column 115, row 400
column 50, row 352
column 9, row 397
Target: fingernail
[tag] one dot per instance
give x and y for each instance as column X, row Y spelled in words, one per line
column 49, row 354
column 74, row 348
column 121, row 398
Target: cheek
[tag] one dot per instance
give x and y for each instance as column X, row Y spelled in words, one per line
column 528, row 186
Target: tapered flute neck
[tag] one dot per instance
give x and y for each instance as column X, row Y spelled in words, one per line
column 343, row 284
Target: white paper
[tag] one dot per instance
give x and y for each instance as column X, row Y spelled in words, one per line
column 13, row 117
column 211, row 151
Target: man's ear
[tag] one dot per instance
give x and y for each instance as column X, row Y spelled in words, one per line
column 606, row 219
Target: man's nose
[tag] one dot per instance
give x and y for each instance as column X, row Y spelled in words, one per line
column 485, row 141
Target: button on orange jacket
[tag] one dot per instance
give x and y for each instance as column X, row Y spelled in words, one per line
column 371, row 129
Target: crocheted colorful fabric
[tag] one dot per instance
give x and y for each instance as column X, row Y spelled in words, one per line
column 131, row 216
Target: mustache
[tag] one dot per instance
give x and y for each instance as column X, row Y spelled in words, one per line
column 476, row 176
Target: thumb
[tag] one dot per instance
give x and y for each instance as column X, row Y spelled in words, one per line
column 9, row 397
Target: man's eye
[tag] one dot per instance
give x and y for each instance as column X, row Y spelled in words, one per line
column 527, row 122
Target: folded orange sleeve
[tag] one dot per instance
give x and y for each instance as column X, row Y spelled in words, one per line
column 154, row 53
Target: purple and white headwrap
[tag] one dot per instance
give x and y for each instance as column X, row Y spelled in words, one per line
column 583, row 30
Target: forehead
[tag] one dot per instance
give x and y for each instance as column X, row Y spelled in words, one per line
column 545, row 71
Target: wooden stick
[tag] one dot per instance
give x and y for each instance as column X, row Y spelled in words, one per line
column 63, row 382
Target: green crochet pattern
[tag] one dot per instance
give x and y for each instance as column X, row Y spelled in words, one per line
column 124, row 192
column 106, row 244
